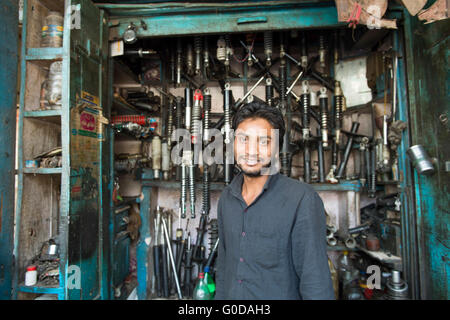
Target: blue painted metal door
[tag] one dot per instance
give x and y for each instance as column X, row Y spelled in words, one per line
column 9, row 12
column 89, row 221
column 427, row 53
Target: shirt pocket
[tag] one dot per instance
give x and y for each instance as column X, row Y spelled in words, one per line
column 264, row 249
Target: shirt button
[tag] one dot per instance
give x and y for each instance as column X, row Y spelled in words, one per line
column 241, row 259
column 245, row 210
column 243, row 234
column 240, row 281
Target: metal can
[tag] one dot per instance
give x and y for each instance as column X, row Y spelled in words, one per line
column 52, row 31
column 420, row 159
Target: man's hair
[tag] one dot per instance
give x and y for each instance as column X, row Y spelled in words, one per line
column 261, row 110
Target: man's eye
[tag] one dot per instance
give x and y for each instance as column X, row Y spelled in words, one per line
column 263, row 141
column 242, row 139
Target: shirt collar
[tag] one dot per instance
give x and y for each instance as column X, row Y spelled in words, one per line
column 236, row 183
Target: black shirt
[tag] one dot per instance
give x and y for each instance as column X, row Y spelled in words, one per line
column 275, row 248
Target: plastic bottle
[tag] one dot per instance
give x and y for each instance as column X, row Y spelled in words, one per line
column 201, row 291
column 31, row 276
column 210, row 282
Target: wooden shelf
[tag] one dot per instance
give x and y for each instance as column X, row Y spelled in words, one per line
column 53, row 116
column 44, row 54
column 42, row 170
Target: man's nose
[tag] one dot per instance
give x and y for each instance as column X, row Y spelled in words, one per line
column 252, row 146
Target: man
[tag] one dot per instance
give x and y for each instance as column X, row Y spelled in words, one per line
column 271, row 227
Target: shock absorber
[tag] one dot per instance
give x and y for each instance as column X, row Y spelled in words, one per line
column 229, row 50
column 178, row 124
column 322, row 52
column 213, row 233
column 283, row 86
column 196, row 117
column 373, row 174
column 227, row 125
column 320, row 159
column 179, row 61
column 304, row 49
column 183, row 196
column 189, row 59
column 206, row 112
column 305, row 103
column 170, row 123
column 269, row 91
column 336, row 47
column 205, row 53
column 323, row 103
column 191, row 168
column 268, row 47
column 172, row 66
column 339, row 105
column 188, row 102
column 198, row 54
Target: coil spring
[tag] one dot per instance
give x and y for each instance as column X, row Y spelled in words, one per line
column 213, row 233
column 206, row 190
column 183, row 192
column 324, row 113
column 206, row 111
column 221, row 49
column 192, row 190
column 195, row 122
column 170, row 122
column 283, row 85
column 338, row 112
column 197, row 44
column 226, row 105
column 205, row 52
column 268, row 44
column 305, row 101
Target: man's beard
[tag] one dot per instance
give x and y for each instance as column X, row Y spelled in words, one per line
column 255, row 174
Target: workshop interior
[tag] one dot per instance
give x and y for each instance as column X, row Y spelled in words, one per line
column 95, row 94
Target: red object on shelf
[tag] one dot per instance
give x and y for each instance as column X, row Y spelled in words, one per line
column 141, row 120
column 198, row 95
column 31, row 268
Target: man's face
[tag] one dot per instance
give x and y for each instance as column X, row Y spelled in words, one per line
column 253, row 142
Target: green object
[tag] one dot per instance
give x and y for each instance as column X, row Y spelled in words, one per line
column 210, row 282
column 201, row 291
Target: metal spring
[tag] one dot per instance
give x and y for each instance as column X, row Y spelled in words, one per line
column 196, row 118
column 183, row 192
column 170, row 123
column 179, row 62
column 268, row 46
column 305, row 102
column 338, row 113
column 189, row 59
column 206, row 111
column 283, row 85
column 213, row 233
column 206, row 190
column 192, row 190
column 226, row 108
column 221, row 49
column 322, row 51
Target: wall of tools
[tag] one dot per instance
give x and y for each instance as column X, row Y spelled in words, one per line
column 336, row 90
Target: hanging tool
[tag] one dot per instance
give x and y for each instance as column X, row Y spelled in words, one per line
column 179, row 62
column 227, row 118
column 304, row 49
column 180, row 296
column 323, row 103
column 157, row 254
column 348, row 149
column 320, row 157
column 198, row 54
column 269, row 91
column 268, row 47
column 188, row 269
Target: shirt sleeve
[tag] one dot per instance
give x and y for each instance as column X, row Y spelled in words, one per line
column 220, row 283
column 309, row 250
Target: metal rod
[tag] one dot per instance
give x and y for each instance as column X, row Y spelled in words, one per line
column 172, row 261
